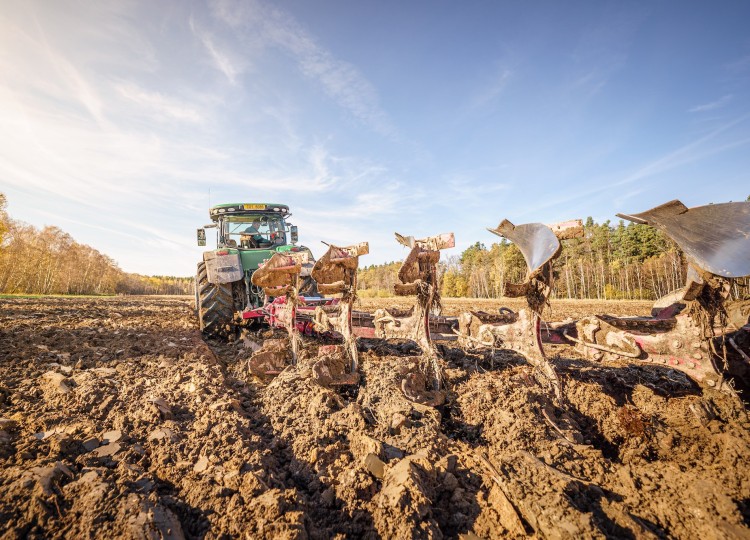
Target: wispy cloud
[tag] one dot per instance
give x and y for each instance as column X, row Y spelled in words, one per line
column 692, row 152
column 63, row 76
column 223, row 59
column 317, row 171
column 689, row 153
column 491, row 90
column 739, row 65
column 624, row 196
column 258, row 22
column 159, row 103
column 388, row 199
column 593, row 82
column 602, row 49
column 721, row 102
column 470, row 188
column 58, row 217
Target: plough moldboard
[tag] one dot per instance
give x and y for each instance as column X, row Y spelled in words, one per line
column 336, row 273
column 539, row 244
column 694, row 330
column 418, row 278
column 691, row 331
column 279, row 277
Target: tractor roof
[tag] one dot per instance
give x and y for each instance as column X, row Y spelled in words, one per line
column 247, row 208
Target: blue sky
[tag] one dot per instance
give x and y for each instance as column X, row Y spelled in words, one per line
column 366, row 118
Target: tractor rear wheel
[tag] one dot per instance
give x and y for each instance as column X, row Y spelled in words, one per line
column 215, row 304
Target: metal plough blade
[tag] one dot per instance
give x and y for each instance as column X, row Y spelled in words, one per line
column 536, row 241
column 715, row 237
column 683, row 334
column 418, row 277
column 539, row 244
column 279, row 276
column 336, row 273
column 521, row 332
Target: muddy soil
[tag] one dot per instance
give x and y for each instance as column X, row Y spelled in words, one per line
column 118, row 420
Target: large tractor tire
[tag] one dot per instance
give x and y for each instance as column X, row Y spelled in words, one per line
column 215, row 304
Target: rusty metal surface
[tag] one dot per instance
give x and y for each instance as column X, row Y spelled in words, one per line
column 336, row 273
column 337, row 268
column 565, row 230
column 441, row 328
column 519, row 332
column 279, row 273
column 419, row 265
column 677, row 343
column 431, row 243
column 716, row 237
column 418, row 277
column 280, row 276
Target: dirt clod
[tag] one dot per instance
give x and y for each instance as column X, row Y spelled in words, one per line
column 156, row 433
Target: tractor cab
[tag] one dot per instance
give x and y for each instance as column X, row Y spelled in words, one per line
column 253, row 231
column 250, row 226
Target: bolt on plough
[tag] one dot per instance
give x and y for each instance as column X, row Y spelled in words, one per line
column 521, row 332
column 690, row 330
column 336, row 273
column 418, row 278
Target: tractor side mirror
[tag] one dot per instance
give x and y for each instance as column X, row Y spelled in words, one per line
column 201, row 237
column 295, row 234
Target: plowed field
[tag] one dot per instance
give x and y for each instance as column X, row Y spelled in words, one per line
column 118, row 420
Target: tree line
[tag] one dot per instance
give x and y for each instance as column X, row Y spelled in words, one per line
column 50, row 261
column 610, row 262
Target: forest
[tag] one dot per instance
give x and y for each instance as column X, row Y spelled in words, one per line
column 611, row 262
column 50, row 261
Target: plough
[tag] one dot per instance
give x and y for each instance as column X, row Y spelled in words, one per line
column 278, row 277
column 418, row 278
column 521, row 332
column 336, row 273
column 689, row 330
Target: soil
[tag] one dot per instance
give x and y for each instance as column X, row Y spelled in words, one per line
column 118, row 420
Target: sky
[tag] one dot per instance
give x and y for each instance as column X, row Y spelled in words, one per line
column 122, row 121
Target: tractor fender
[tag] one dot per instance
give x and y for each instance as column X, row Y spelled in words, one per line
column 223, row 266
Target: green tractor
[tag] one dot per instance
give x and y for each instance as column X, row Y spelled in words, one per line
column 247, row 234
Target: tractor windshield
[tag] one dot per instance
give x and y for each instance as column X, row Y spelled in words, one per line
column 254, row 231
